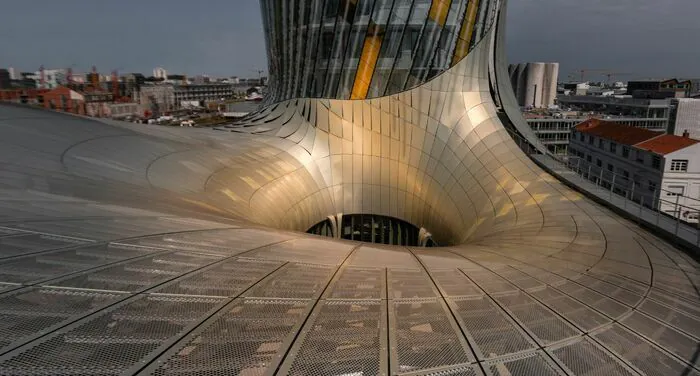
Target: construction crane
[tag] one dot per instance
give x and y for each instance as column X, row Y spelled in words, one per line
column 612, row 75
column 584, row 71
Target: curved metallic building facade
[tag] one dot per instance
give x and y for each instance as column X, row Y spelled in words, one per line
column 358, row 49
column 128, row 249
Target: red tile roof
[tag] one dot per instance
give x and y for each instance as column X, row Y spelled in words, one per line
column 667, row 144
column 622, row 134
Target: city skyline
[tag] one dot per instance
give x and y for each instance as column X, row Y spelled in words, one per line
column 226, row 39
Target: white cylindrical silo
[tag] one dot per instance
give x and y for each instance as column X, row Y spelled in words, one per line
column 534, row 85
column 549, row 90
column 521, row 78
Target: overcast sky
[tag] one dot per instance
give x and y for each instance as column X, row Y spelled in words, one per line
column 646, row 38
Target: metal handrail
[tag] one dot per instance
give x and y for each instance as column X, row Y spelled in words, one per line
column 633, row 194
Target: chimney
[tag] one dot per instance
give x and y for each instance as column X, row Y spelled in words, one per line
column 686, row 134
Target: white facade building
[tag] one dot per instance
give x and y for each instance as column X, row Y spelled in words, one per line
column 685, row 117
column 53, row 78
column 658, row 170
column 13, row 73
column 681, row 183
column 160, row 73
column 535, row 84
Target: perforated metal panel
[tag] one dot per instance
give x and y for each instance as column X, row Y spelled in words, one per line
column 454, row 283
column 672, row 340
column 243, row 339
column 19, row 244
column 534, row 363
column 57, row 263
column 689, row 307
column 344, row 338
column 586, row 358
column 594, row 299
column 610, row 290
column 139, row 274
column 519, row 278
column 641, row 354
column 583, row 317
column 490, row 282
column 489, row 328
column 423, row 337
column 111, row 342
column 316, row 251
column 28, row 312
column 407, row 284
column 225, row 279
column 682, row 321
column 542, row 323
column 360, row 283
column 226, row 242
column 294, row 281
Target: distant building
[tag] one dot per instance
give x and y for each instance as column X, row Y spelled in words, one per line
column 157, row 97
column 576, row 88
column 13, row 73
column 655, row 89
column 203, row 92
column 5, row 79
column 123, row 110
column 97, row 103
column 535, row 84
column 656, row 169
column 177, row 79
column 617, row 105
column 133, row 83
column 53, row 78
column 685, row 117
column 65, row 99
column 554, row 132
column 160, row 73
column 201, row 79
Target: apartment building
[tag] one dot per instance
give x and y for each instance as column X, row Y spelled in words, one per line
column 657, row 169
